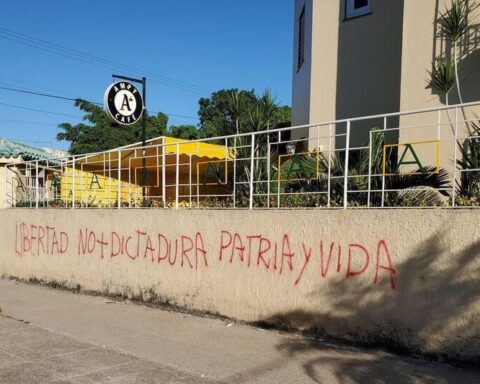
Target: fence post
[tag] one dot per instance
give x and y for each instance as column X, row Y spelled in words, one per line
column 252, row 165
column 119, row 174
column 73, row 183
column 279, row 168
column 234, row 172
column 454, row 182
column 177, row 175
column 37, row 189
column 164, row 178
column 329, row 176
column 369, row 167
column 269, row 153
column 345, row 181
column 384, row 171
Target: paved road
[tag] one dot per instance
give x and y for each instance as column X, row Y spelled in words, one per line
column 52, row 336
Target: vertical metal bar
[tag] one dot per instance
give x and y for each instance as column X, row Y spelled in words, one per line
column 234, row 171
column 190, row 179
column 252, row 165
column 279, row 169
column 73, row 183
column 177, row 175
column 384, row 160
column 345, row 180
column 369, row 167
column 119, row 174
column 46, row 190
column 30, row 186
column 129, row 182
column 82, row 175
column 454, row 182
column 439, row 124
column 158, row 166
column 144, row 135
column 37, row 189
column 164, row 178
column 318, row 138
column 268, row 169
column 329, row 180
column 5, row 203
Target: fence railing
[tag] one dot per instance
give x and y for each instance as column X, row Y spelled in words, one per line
column 421, row 158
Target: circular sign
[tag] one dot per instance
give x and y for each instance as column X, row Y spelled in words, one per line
column 123, row 103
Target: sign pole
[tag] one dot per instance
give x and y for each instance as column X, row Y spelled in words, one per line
column 143, row 134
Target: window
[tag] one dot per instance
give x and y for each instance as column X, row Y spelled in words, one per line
column 354, row 8
column 301, row 39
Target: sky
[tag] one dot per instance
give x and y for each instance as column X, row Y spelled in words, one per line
column 185, row 48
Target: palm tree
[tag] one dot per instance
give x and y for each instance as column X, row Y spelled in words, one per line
column 238, row 107
column 454, row 25
column 442, row 77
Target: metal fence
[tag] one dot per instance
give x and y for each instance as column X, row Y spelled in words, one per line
column 420, row 158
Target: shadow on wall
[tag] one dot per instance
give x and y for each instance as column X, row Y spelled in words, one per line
column 434, row 311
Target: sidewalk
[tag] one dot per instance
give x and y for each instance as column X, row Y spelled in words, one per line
column 53, row 336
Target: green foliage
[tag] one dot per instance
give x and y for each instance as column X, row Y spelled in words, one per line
column 100, row 133
column 229, row 111
column 442, row 77
column 468, row 185
column 417, row 188
column 186, row 132
column 454, row 21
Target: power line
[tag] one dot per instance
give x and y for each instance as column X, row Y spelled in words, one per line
column 75, row 99
column 16, row 83
column 38, row 93
column 40, row 110
column 75, row 54
column 25, row 122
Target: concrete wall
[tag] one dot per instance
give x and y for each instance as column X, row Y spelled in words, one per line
column 404, row 278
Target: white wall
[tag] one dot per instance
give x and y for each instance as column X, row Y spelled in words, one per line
column 407, row 278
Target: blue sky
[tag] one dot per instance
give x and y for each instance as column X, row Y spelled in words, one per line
column 211, row 44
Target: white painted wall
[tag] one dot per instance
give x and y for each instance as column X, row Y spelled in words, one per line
column 408, row 278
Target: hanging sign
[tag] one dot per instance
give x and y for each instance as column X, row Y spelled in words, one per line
column 123, row 103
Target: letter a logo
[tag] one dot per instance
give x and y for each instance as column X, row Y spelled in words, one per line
column 125, row 103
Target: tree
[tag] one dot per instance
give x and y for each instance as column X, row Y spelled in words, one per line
column 229, row 111
column 100, row 133
column 454, row 25
column 442, row 77
column 186, row 132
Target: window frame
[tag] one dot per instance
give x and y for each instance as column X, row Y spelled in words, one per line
column 301, row 39
column 352, row 13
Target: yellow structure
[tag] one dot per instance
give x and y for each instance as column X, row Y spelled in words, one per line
column 169, row 167
column 95, row 189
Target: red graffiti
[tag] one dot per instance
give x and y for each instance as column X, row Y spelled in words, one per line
column 187, row 251
column 280, row 255
column 39, row 240
column 351, row 261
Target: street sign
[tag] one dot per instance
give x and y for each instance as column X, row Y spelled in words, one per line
column 123, row 103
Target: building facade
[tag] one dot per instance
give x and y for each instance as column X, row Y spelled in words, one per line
column 368, row 57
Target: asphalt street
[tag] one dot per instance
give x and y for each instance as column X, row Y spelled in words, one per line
column 54, row 336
